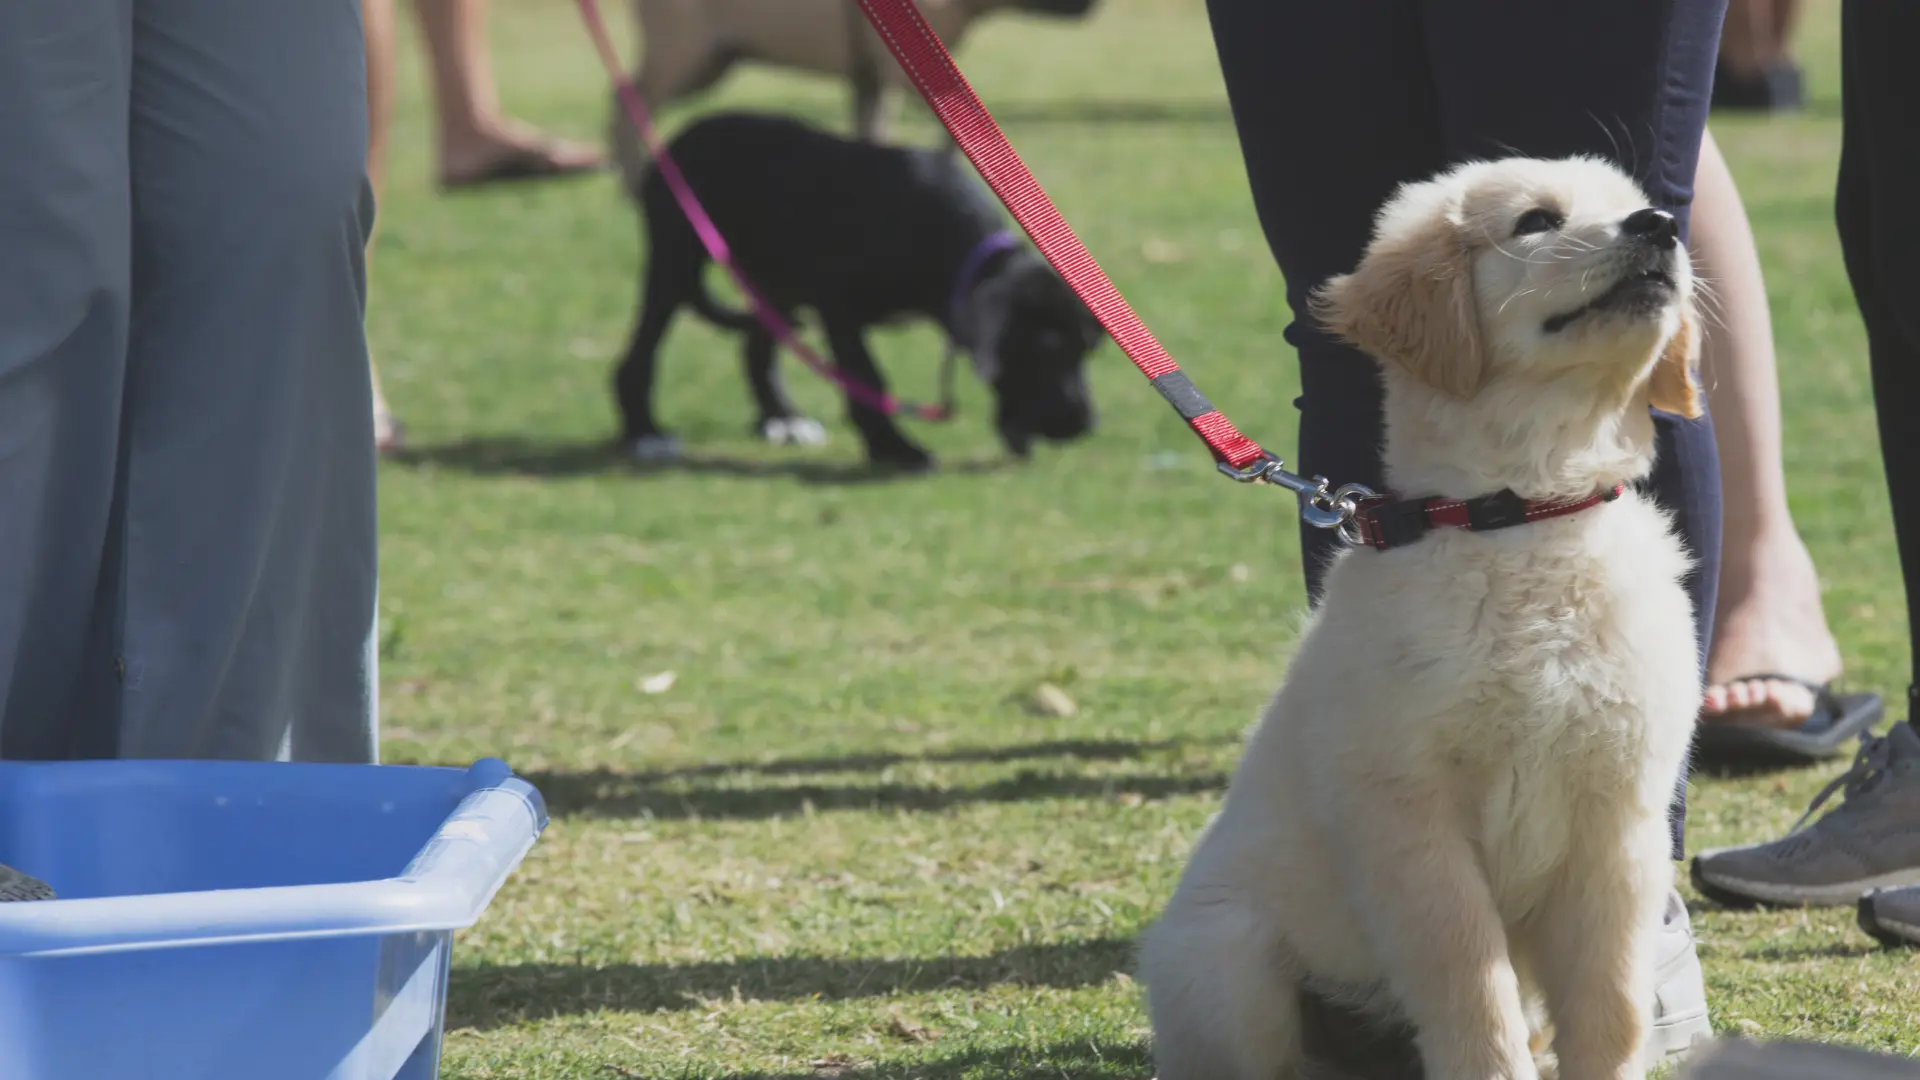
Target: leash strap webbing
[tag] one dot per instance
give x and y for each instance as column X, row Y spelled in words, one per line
column 716, row 245
column 926, row 61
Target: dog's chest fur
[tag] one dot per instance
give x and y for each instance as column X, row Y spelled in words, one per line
column 1544, row 678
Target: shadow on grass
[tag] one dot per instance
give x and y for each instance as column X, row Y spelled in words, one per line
column 611, row 794
column 1067, row 111
column 1737, row 770
column 1787, row 954
column 517, row 456
column 1085, row 749
column 1077, row 1060
column 492, row 996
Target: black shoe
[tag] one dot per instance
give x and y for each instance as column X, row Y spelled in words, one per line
column 15, row 885
column 1780, row 88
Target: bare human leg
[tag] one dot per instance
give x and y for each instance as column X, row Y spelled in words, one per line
column 478, row 142
column 376, row 20
column 1769, row 617
column 1756, row 69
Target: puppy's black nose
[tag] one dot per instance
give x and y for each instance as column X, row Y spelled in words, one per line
column 1656, row 227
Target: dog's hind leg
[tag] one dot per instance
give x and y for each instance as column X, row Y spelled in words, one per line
column 1224, row 1001
column 779, row 421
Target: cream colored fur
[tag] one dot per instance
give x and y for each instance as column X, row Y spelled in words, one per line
column 687, row 45
column 1455, row 807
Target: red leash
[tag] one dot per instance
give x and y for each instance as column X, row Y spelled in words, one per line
column 926, row 61
column 1363, row 517
column 716, row 244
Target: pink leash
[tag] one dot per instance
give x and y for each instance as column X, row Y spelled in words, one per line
column 925, row 60
column 716, row 244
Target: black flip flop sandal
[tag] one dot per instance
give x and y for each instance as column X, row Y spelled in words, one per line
column 518, row 166
column 15, row 885
column 1837, row 720
column 1780, row 88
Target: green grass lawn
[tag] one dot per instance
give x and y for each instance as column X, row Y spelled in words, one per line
column 843, row 842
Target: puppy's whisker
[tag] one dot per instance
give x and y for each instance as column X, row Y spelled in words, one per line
column 1511, row 297
column 1492, row 241
column 1633, row 148
column 1607, row 131
column 1510, row 149
column 1572, row 249
column 1539, row 257
column 1710, row 304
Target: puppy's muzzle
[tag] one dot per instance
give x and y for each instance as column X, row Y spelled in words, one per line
column 1646, row 282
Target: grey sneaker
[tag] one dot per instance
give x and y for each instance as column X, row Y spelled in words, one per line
column 1870, row 841
column 1892, row 916
column 1680, row 994
column 15, row 885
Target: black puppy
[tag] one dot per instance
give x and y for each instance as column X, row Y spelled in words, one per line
column 861, row 234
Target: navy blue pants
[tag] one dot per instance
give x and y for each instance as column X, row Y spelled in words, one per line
column 1879, row 227
column 1337, row 102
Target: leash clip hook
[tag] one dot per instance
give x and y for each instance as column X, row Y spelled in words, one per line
column 1321, row 504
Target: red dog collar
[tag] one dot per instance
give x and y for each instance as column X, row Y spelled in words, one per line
column 1382, row 521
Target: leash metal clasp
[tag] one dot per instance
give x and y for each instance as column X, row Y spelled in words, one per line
column 1321, row 504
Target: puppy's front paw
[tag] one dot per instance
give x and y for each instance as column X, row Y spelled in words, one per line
column 793, row 431
column 651, row 449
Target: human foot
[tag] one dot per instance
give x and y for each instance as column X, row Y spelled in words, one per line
column 510, row 150
column 1867, row 842
column 1778, row 87
column 389, row 435
column 1892, row 916
column 1769, row 619
column 1680, row 996
column 1760, row 700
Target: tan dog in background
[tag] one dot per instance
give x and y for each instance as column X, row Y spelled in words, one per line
column 1454, row 812
column 688, row 45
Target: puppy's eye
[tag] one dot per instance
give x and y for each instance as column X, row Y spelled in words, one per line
column 1538, row 220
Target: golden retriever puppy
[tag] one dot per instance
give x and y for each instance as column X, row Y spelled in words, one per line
column 1454, row 812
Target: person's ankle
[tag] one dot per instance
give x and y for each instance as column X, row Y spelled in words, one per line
column 1769, row 541
column 469, row 136
column 1741, row 63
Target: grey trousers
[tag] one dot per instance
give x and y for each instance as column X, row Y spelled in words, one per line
column 187, row 547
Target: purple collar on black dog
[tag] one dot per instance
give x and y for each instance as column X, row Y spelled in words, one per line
column 963, row 279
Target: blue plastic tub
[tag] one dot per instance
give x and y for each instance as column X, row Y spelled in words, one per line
column 244, row 921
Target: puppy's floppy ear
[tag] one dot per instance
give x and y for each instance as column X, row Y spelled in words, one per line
column 1411, row 303
column 1672, row 387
